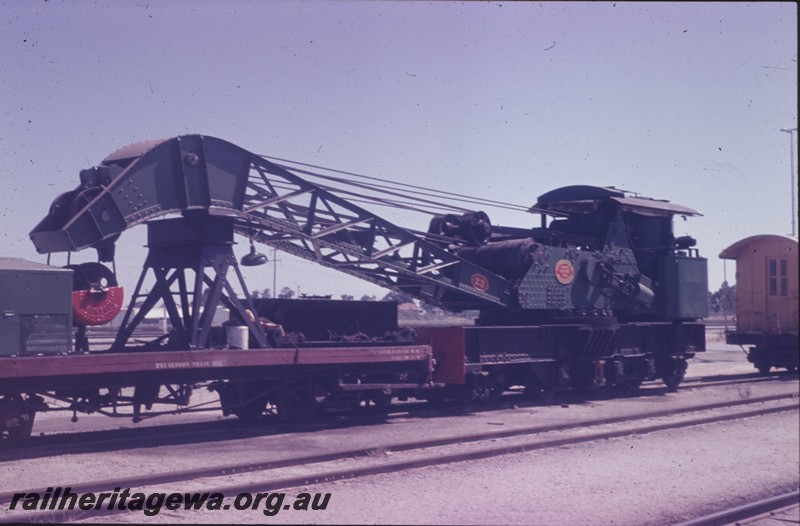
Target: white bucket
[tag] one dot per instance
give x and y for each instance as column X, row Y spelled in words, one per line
column 237, row 336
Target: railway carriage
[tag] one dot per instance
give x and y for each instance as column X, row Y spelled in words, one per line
column 767, row 300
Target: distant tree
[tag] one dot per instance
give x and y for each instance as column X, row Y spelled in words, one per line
column 347, row 297
column 399, row 297
column 286, row 293
column 723, row 300
column 264, row 293
column 366, row 297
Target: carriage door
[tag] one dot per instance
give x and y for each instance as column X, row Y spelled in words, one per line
column 777, row 319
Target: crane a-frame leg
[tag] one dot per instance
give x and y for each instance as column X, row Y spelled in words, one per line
column 202, row 244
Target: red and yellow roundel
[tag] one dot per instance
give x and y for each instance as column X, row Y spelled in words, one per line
column 565, row 272
column 480, row 282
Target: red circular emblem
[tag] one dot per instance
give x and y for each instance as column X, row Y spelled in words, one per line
column 565, row 272
column 480, row 282
column 89, row 308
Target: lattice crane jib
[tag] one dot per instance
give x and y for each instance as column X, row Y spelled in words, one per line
column 269, row 204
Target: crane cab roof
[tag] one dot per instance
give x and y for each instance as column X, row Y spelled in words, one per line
column 582, row 199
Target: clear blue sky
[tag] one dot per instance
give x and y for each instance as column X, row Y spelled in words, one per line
column 678, row 101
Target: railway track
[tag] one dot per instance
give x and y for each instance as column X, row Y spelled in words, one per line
column 761, row 512
column 53, row 444
column 276, row 474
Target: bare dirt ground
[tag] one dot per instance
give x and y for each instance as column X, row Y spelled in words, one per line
column 661, row 478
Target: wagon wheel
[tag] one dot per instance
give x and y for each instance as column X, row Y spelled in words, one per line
column 435, row 398
column 541, row 392
column 247, row 400
column 632, row 385
column 763, row 367
column 672, row 381
column 13, row 410
column 250, row 411
column 485, row 395
column 375, row 402
column 382, row 401
column 672, row 371
column 298, row 406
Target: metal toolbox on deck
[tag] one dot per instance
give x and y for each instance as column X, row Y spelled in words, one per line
column 35, row 308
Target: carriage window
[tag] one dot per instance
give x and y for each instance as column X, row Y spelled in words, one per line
column 773, row 277
column 784, row 284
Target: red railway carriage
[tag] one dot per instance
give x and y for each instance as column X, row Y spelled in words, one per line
column 767, row 300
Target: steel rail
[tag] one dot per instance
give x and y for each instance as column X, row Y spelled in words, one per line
column 72, row 443
column 272, row 483
column 746, row 511
column 326, row 476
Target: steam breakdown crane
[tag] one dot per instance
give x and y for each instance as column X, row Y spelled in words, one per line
column 604, row 286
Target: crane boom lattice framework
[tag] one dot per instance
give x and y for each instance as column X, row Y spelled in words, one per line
column 205, row 177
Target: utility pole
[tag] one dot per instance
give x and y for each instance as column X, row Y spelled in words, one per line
column 791, row 131
column 274, row 272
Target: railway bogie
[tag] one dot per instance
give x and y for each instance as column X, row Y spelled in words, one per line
column 766, row 351
column 557, row 357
